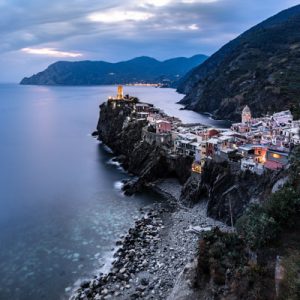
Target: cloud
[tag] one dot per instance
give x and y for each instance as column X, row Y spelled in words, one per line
column 117, row 30
column 146, row 3
column 50, row 52
column 199, row 1
column 115, row 16
column 193, row 27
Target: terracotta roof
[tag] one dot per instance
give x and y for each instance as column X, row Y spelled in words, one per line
column 273, row 165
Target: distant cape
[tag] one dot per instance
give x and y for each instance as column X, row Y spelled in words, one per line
column 138, row 70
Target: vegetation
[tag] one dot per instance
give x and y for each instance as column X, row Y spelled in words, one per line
column 283, row 206
column 261, row 224
column 259, row 68
column 244, row 261
column 257, row 227
column 219, row 252
column 290, row 286
column 141, row 69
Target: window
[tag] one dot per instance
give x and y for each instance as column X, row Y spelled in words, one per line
column 275, row 155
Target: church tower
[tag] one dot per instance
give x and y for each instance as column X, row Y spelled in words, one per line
column 120, row 95
column 246, row 115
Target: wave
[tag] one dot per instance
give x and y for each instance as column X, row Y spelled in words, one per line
column 114, row 162
column 118, row 185
column 107, row 258
column 107, row 149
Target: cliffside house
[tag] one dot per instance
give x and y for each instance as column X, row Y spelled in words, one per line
column 282, row 118
column 163, row 126
column 252, row 165
column 143, row 107
column 186, row 144
column 276, row 159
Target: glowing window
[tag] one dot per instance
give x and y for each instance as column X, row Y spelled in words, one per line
column 275, row 155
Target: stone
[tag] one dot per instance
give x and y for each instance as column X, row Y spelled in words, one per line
column 144, row 281
column 85, row 284
column 105, row 291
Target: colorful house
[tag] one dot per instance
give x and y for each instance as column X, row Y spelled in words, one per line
column 276, row 159
column 163, row 126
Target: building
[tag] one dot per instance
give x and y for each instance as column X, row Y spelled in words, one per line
column 120, row 94
column 283, row 117
column 163, row 126
column 251, row 165
column 260, row 153
column 186, row 144
column 246, row 115
column 276, row 159
column 143, row 107
column 197, row 166
column 212, row 146
column 120, row 101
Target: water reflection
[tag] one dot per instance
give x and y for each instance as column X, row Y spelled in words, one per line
column 59, row 211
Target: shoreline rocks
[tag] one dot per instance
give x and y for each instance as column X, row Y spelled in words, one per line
column 151, row 256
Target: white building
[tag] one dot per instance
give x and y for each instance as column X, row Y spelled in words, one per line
column 283, row 117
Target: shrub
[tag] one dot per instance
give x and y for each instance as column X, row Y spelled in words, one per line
column 218, row 252
column 290, row 285
column 257, row 227
column 283, row 206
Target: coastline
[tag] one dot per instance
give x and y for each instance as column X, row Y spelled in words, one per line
column 159, row 252
column 151, row 257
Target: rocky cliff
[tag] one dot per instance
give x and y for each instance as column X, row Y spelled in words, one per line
column 258, row 260
column 147, row 161
column 228, row 190
column 260, row 69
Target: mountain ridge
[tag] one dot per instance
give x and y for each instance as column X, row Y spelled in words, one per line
column 259, row 69
column 141, row 69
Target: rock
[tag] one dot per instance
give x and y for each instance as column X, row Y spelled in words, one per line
column 85, row 284
column 105, row 292
column 95, row 133
column 144, row 281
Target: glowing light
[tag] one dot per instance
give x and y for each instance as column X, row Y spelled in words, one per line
column 275, row 155
column 119, row 16
column 50, row 52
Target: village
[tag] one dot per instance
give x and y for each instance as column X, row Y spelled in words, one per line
column 254, row 144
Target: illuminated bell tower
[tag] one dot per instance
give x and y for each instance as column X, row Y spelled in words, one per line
column 120, row 95
column 246, row 115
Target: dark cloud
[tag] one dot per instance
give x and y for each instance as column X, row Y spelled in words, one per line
column 146, row 27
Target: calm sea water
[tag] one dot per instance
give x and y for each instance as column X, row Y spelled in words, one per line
column 61, row 208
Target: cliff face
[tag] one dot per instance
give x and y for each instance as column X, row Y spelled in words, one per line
column 228, row 190
column 147, row 161
column 113, row 132
column 260, row 69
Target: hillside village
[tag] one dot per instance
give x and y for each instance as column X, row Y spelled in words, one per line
column 254, row 144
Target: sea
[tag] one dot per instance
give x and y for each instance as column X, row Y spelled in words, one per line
column 61, row 205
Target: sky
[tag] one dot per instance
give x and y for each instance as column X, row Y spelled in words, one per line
column 36, row 33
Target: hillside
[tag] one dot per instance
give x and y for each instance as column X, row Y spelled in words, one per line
column 260, row 68
column 141, row 69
